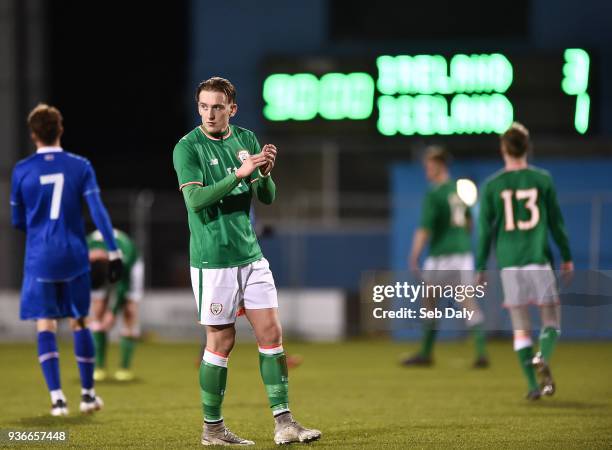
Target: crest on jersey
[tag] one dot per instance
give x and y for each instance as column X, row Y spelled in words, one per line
column 216, row 308
column 243, row 155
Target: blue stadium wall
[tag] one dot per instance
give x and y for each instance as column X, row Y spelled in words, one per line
column 326, row 259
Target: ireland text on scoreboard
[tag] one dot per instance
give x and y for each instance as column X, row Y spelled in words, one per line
column 434, row 94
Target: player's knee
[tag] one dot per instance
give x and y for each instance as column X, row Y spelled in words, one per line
column 129, row 312
column 220, row 340
column 271, row 335
column 78, row 324
column 521, row 322
column 130, row 330
column 98, row 308
column 96, row 325
column 221, row 346
column 551, row 316
column 522, row 334
column 46, row 325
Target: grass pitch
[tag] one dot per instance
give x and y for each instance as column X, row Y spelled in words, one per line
column 354, row 392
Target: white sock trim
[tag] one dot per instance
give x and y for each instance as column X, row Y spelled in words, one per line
column 46, row 356
column 278, row 412
column 215, row 358
column 83, row 359
column 271, row 350
column 213, row 422
column 91, row 392
column 521, row 343
column 56, row 395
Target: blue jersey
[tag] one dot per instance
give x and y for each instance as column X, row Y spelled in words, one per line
column 47, row 194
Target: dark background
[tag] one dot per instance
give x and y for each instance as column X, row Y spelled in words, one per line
column 118, row 73
column 442, row 19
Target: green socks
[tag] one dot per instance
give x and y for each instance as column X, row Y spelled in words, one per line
column 480, row 341
column 548, row 341
column 126, row 347
column 429, row 337
column 524, row 351
column 213, row 379
column 99, row 338
column 273, row 368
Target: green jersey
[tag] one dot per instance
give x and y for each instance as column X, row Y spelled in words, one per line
column 517, row 209
column 446, row 217
column 125, row 244
column 221, row 232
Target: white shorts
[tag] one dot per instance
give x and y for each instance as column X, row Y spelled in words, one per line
column 530, row 284
column 220, row 293
column 449, row 269
column 137, row 276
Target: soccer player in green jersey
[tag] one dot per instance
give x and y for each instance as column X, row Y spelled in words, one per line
column 518, row 208
column 126, row 294
column 446, row 225
column 220, row 167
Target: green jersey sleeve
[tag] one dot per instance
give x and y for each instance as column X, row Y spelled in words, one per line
column 188, row 168
column 265, row 189
column 197, row 197
column 557, row 224
column 485, row 228
column 191, row 179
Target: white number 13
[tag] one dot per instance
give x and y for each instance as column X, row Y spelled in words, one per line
column 57, row 180
column 531, row 195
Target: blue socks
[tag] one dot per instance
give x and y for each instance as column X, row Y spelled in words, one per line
column 85, row 356
column 48, row 356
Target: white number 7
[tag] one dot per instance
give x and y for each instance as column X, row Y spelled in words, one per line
column 57, row 180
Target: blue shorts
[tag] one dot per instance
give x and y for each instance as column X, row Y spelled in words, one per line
column 55, row 299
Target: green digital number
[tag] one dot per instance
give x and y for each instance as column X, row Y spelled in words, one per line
column 346, row 96
column 575, row 82
column 302, row 96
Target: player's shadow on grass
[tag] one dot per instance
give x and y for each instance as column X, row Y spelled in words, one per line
column 55, row 422
column 114, row 382
column 247, row 404
column 568, row 404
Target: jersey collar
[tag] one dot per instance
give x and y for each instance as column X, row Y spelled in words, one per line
column 229, row 133
column 49, row 150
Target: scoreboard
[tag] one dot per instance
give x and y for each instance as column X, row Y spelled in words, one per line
column 429, row 94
